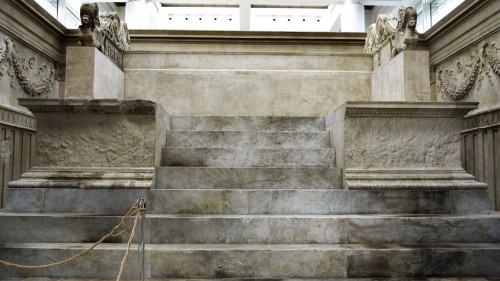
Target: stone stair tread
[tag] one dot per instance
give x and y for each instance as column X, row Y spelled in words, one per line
column 240, row 279
column 257, row 247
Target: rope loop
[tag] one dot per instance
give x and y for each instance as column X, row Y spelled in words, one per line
column 134, row 211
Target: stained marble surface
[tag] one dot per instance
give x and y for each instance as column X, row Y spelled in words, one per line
column 244, row 178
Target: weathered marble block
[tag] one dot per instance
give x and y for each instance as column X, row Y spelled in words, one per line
column 405, row 77
column 400, row 145
column 95, row 143
column 92, row 75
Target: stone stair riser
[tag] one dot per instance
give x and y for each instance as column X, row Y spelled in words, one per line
column 256, row 229
column 227, row 157
column 243, row 178
column 326, row 202
column 246, row 201
column 249, row 61
column 267, row 261
column 247, row 123
column 248, row 139
column 101, row 263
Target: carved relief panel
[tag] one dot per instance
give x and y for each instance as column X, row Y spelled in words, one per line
column 473, row 75
column 24, row 73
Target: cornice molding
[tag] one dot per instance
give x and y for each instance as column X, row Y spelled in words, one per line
column 408, row 110
column 411, row 180
column 481, row 120
column 89, row 178
column 86, row 106
column 17, row 119
column 32, row 26
column 471, row 22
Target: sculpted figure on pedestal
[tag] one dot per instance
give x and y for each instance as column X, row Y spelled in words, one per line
column 96, row 28
column 406, row 35
column 401, row 32
column 89, row 16
column 380, row 31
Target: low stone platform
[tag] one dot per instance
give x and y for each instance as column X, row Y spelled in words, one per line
column 290, row 218
column 266, row 261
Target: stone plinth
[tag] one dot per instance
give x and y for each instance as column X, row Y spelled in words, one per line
column 91, row 75
column 403, row 78
column 95, row 143
column 399, row 145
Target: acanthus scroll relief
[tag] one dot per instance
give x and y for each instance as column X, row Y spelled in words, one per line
column 19, row 69
column 458, row 84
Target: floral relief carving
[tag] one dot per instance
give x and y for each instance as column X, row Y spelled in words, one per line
column 458, row 84
column 20, row 69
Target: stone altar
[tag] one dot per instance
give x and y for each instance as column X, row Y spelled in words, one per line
column 95, row 143
column 401, row 145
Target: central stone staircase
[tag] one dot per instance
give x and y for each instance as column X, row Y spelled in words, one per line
column 259, row 197
column 253, row 197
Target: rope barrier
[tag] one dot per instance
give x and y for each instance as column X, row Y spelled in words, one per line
column 134, row 211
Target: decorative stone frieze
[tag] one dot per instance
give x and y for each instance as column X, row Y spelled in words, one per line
column 482, row 120
column 401, row 109
column 411, row 180
column 456, row 83
column 401, row 145
column 17, row 119
column 91, row 106
column 90, row 178
column 20, row 68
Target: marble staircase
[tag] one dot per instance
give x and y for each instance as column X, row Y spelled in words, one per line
column 258, row 198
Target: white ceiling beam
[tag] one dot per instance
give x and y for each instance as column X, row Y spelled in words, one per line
column 278, row 2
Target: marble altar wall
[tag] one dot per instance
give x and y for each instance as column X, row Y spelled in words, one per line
column 465, row 67
column 31, row 66
column 306, row 75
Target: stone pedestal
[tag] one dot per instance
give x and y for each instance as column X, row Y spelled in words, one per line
column 403, row 78
column 91, row 75
column 95, row 143
column 400, row 145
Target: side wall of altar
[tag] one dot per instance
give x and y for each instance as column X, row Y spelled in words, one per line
column 32, row 62
column 464, row 56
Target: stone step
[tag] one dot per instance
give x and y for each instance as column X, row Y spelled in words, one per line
column 263, row 261
column 256, row 229
column 248, row 139
column 247, row 123
column 243, row 178
column 274, row 60
column 59, row 228
column 236, row 279
column 239, row 279
column 325, row 260
column 247, row 201
column 247, row 157
column 102, row 262
column 314, row 201
column 111, row 201
column 334, row 229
